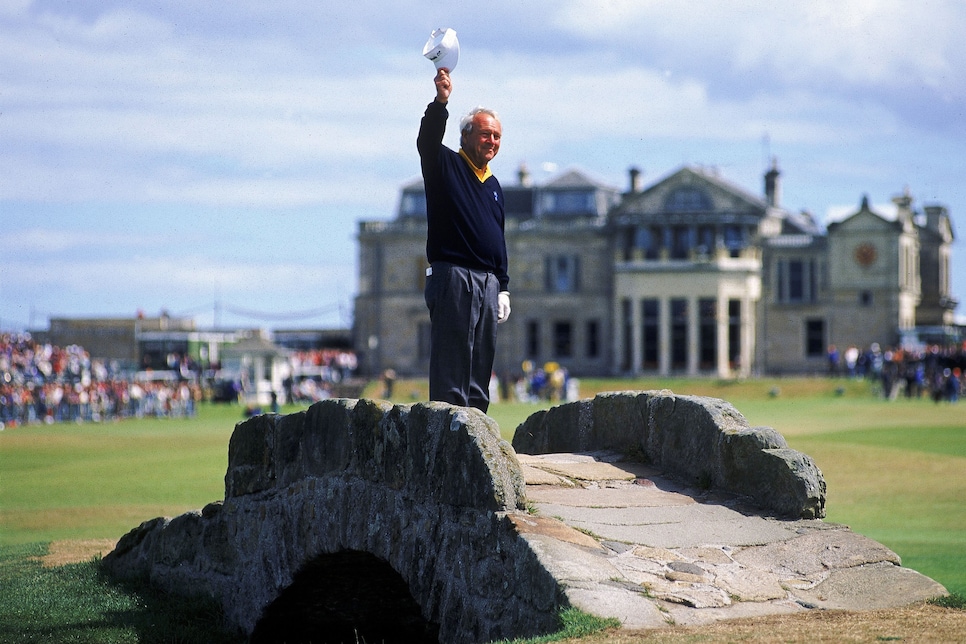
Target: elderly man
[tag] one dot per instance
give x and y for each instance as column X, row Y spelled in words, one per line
column 467, row 282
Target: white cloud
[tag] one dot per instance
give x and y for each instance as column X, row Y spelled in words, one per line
column 152, row 276
column 863, row 41
column 14, row 7
column 45, row 241
column 315, row 107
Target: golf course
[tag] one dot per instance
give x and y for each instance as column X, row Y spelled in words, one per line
column 896, row 472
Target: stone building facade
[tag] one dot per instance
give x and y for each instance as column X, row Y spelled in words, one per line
column 692, row 275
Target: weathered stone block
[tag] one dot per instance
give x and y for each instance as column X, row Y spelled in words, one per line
column 619, row 421
column 289, row 436
column 531, row 437
column 325, row 442
column 251, row 457
column 796, row 488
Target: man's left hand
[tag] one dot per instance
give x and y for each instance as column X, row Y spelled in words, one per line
column 443, row 85
column 503, row 307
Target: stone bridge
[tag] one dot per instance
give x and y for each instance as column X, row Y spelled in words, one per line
column 359, row 520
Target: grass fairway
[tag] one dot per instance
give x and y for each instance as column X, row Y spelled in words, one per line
column 896, row 471
column 100, row 480
column 902, row 487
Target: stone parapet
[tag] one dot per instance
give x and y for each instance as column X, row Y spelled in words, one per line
column 704, row 440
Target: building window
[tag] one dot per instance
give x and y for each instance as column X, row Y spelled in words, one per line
column 706, row 243
column 708, row 334
column 628, row 237
column 679, row 334
column 734, row 239
column 592, row 340
column 865, row 298
column 650, row 333
column 563, row 274
column 563, row 345
column 814, row 338
column 568, row 202
column 647, row 239
column 688, row 199
column 533, row 339
column 797, row 281
column 681, row 242
column 734, row 333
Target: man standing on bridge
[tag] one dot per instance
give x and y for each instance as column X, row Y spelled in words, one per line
column 467, row 282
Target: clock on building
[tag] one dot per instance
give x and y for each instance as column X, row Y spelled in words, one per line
column 865, row 254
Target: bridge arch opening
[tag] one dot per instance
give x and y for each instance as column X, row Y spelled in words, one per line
column 345, row 597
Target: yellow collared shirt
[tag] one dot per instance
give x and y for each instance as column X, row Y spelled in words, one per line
column 483, row 174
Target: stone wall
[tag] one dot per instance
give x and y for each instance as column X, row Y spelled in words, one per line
column 703, row 440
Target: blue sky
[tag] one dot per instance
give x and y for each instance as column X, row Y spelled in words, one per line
column 213, row 159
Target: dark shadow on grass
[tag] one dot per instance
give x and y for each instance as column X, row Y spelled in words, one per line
column 79, row 603
column 159, row 617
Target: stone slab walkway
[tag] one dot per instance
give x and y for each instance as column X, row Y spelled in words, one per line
column 626, row 542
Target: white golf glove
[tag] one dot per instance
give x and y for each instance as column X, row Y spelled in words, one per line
column 502, row 306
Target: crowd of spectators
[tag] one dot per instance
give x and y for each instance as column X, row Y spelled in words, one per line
column 314, row 372
column 43, row 383
column 552, row 382
column 933, row 372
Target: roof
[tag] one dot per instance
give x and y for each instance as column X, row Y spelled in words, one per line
column 573, row 179
column 651, row 201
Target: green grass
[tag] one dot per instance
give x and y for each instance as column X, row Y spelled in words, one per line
column 97, row 481
column 573, row 624
column 75, row 603
column 896, row 472
column 902, row 487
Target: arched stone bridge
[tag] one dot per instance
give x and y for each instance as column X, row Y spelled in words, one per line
column 430, row 490
column 363, row 519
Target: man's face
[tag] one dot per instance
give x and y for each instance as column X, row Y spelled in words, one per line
column 483, row 142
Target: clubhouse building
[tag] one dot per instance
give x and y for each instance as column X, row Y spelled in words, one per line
column 691, row 275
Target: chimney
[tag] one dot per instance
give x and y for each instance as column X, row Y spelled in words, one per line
column 903, row 204
column 523, row 176
column 635, row 179
column 935, row 216
column 773, row 186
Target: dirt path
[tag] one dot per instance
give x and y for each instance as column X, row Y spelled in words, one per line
column 61, row 553
column 916, row 623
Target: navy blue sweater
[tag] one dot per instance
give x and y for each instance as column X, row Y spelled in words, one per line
column 465, row 216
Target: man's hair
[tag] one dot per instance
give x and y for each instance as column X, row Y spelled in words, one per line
column 466, row 123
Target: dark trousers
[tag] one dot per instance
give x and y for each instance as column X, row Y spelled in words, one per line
column 462, row 310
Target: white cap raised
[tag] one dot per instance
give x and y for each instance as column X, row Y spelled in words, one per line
column 443, row 48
